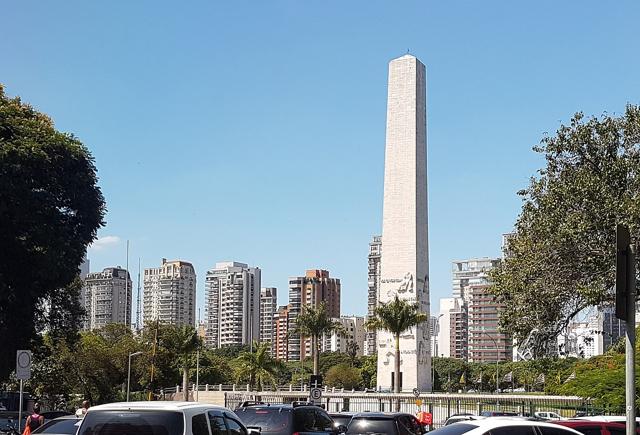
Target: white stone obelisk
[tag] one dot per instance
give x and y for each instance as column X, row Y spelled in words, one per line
column 405, row 249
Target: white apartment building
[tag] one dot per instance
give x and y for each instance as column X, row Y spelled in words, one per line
column 170, row 293
column 354, row 332
column 107, row 298
column 232, row 304
column 268, row 311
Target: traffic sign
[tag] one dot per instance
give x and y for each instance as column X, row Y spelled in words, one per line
column 418, row 402
column 316, row 393
column 23, row 364
column 416, row 392
column 315, row 381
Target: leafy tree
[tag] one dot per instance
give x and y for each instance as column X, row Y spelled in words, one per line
column 315, row 322
column 182, row 342
column 448, row 372
column 257, row 367
column 369, row 370
column 352, row 351
column 343, row 376
column 396, row 317
column 330, row 359
column 50, row 210
column 561, row 257
column 214, row 369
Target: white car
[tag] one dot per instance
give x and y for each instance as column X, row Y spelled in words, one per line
column 160, row 418
column 504, row 426
column 547, row 415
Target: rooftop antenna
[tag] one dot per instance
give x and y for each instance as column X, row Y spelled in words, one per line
column 138, row 311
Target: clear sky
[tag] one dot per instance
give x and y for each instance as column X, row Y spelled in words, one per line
column 254, row 131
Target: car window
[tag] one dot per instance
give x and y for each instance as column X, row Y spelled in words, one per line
column 589, row 430
column 127, row 422
column 199, row 425
column 217, row 424
column 304, row 420
column 366, row 425
column 266, row 419
column 323, row 421
column 63, row 426
column 234, row 427
column 555, row 430
column 513, row 430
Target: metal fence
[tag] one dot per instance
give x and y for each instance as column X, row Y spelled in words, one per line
column 441, row 406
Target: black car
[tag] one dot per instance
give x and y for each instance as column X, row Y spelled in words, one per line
column 391, row 423
column 341, row 418
column 287, row 419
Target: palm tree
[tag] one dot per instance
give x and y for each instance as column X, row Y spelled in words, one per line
column 396, row 317
column 183, row 341
column 314, row 322
column 259, row 366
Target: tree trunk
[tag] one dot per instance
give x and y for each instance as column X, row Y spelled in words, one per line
column 397, row 364
column 397, row 371
column 315, row 354
column 185, row 383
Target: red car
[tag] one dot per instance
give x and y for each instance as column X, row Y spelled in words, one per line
column 588, row 427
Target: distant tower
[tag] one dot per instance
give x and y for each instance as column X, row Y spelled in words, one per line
column 405, row 257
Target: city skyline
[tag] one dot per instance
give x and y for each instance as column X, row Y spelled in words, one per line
column 246, row 111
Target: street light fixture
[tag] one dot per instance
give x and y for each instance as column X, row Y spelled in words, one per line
column 129, row 372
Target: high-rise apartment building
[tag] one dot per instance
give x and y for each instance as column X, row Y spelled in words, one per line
column 373, row 282
column 170, row 293
column 404, row 269
column 232, row 304
column 107, row 298
column 314, row 287
column 280, row 346
column 486, row 343
column 353, row 334
column 470, row 272
column 268, row 310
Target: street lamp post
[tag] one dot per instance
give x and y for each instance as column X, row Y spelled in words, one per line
column 497, row 359
column 129, row 372
column 433, row 370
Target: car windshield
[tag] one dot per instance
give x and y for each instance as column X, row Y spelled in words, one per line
column 267, row 419
column 372, row 426
column 341, row 420
column 132, row 422
column 63, row 426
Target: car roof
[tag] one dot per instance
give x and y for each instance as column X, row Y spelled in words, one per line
column 379, row 414
column 496, row 422
column 66, row 417
column 161, row 406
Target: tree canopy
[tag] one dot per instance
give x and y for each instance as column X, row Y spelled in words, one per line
column 561, row 257
column 50, row 210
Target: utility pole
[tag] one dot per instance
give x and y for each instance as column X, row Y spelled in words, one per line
column 626, row 310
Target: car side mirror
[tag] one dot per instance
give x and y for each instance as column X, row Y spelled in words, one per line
column 253, row 431
column 341, row 428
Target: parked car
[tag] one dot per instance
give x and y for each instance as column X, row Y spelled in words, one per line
column 504, row 426
column 161, row 418
column 288, row 419
column 455, row 418
column 341, row 418
column 67, row 425
column 50, row 415
column 547, row 415
column 589, row 427
column 391, row 423
column 498, row 414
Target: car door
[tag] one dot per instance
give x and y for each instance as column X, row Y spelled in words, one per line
column 407, row 425
column 234, row 426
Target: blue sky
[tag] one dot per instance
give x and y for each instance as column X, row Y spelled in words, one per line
column 254, row 131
